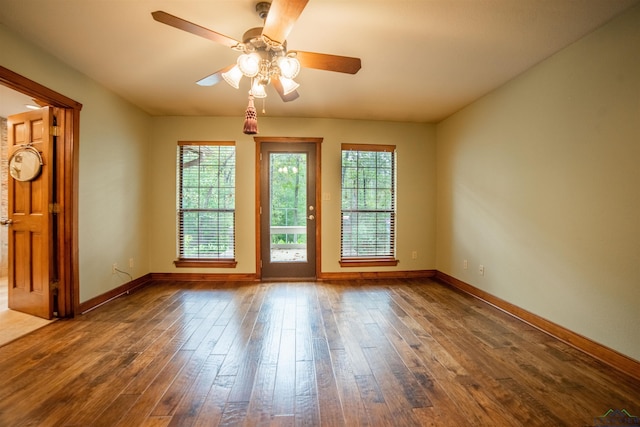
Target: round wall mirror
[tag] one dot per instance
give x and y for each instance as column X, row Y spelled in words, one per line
column 25, row 164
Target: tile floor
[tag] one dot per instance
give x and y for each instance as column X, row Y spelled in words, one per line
column 14, row 324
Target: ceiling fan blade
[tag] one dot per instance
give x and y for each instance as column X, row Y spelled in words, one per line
column 214, row 78
column 192, row 28
column 282, row 15
column 277, row 84
column 323, row 61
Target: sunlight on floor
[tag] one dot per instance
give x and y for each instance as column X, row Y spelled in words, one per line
column 14, row 324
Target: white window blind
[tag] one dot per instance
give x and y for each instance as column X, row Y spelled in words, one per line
column 368, row 202
column 206, row 200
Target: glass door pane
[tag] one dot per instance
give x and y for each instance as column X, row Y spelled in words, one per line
column 288, row 208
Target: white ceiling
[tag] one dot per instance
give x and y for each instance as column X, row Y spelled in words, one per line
column 422, row 60
column 12, row 102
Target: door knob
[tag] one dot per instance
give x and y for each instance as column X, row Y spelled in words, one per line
column 5, row 221
column 311, row 217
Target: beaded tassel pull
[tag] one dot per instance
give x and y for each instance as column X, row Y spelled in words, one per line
column 251, row 119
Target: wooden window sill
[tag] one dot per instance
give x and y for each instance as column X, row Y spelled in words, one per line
column 368, row 262
column 206, row 263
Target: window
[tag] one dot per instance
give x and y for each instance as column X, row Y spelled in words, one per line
column 368, row 205
column 206, row 204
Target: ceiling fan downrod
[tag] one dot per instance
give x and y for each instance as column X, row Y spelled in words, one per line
column 263, row 9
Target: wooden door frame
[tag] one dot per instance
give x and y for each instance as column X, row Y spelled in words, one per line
column 289, row 140
column 67, row 178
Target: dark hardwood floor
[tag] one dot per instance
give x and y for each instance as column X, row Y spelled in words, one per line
column 376, row 353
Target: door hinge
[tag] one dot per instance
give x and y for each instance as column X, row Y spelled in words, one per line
column 53, row 286
column 54, row 208
column 55, row 130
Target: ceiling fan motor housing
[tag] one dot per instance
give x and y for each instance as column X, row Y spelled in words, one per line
column 254, row 41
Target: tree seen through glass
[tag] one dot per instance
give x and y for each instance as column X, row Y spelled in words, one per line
column 368, row 211
column 207, row 201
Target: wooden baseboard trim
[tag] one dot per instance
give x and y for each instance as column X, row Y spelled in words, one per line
column 113, row 293
column 370, row 275
column 250, row 277
column 209, row 277
column 603, row 353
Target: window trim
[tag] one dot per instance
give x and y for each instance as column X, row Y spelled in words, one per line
column 369, row 261
column 212, row 263
column 202, row 262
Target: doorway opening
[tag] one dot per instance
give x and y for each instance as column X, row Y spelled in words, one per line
column 288, row 211
column 63, row 211
column 13, row 323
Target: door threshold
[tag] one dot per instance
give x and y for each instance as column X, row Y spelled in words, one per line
column 289, row 279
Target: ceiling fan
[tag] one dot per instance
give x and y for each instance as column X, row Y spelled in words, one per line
column 265, row 58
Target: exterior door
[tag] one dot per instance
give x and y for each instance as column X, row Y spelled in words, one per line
column 30, row 212
column 288, row 210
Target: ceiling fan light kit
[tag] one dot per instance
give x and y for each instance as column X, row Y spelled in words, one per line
column 249, row 64
column 288, row 85
column 264, row 57
column 261, row 60
column 233, row 77
column 289, row 66
column 258, row 90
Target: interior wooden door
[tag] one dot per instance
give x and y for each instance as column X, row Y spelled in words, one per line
column 30, row 211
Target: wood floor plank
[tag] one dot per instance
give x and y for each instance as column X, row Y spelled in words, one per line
column 154, row 421
column 285, row 389
column 331, row 413
column 55, row 397
column 213, row 406
column 282, row 421
column 40, row 383
column 180, row 386
column 151, row 364
column 246, row 363
column 234, row 414
column 392, row 391
column 304, row 338
column 335, row 353
column 477, row 370
column 192, row 400
column 353, row 408
column 99, row 399
column 115, row 411
column 373, row 400
column 261, row 407
column 306, row 385
column 150, row 397
column 334, row 339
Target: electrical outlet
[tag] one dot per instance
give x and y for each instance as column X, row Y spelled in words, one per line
column 414, row 255
column 481, row 270
column 114, row 267
column 130, row 262
column 465, row 264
